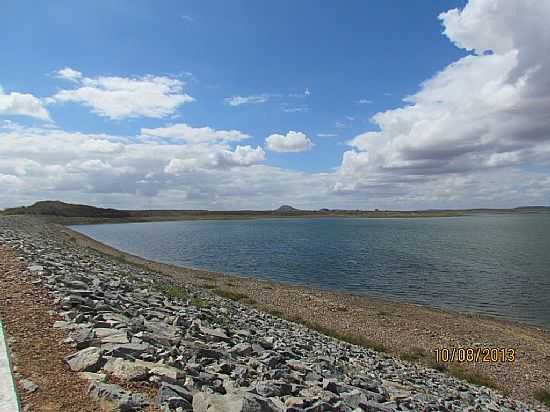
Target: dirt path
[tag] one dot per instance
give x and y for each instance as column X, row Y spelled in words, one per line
column 36, row 347
column 410, row 331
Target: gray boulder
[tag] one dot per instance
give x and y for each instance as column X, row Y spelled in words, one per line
column 85, row 360
column 126, row 370
column 234, row 402
column 120, row 399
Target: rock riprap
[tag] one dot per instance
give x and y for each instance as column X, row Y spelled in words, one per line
column 219, row 355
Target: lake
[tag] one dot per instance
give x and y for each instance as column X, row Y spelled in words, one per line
column 491, row 264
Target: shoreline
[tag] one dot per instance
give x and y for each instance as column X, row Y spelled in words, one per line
column 404, row 335
column 173, row 269
column 77, row 221
column 409, row 331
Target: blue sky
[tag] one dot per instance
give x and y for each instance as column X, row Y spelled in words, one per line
column 321, row 69
column 341, row 54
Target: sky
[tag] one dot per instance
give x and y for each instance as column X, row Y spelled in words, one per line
column 249, row 105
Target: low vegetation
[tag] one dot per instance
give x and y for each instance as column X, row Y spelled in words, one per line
column 172, row 291
column 471, row 376
column 274, row 312
column 543, row 396
column 236, row 296
column 353, row 339
column 414, row 355
column 200, row 303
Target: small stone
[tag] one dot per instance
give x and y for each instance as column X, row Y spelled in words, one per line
column 28, row 385
column 91, row 376
column 372, row 406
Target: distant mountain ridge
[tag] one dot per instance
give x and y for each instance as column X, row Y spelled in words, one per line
column 57, row 208
column 76, row 213
column 532, row 208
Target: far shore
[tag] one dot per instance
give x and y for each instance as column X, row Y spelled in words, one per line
column 75, row 214
column 176, row 217
column 410, row 331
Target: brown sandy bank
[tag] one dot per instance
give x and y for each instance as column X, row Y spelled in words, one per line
column 412, row 332
column 37, row 349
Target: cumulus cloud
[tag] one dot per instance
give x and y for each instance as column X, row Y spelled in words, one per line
column 124, row 97
column 242, row 156
column 69, row 74
column 182, row 131
column 240, row 100
column 291, row 142
column 22, row 104
column 480, row 116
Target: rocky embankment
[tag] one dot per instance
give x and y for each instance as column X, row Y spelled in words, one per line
column 202, row 352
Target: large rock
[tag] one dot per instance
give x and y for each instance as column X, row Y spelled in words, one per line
column 372, row 406
column 161, row 370
column 85, row 360
column 125, row 349
column 269, row 389
column 242, row 349
column 234, row 402
column 126, row 370
column 215, row 334
column 174, row 396
column 117, row 397
column 116, row 338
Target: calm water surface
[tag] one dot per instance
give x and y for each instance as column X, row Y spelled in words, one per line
column 497, row 265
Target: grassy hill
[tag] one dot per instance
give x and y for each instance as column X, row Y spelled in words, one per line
column 56, row 208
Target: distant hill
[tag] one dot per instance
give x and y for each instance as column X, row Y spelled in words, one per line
column 66, row 213
column 56, row 208
column 287, row 209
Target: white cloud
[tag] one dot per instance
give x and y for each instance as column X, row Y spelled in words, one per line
column 291, row 142
column 302, row 95
column 326, row 135
column 342, row 125
column 52, row 163
column 483, row 115
column 22, row 104
column 69, row 74
column 240, row 100
column 241, row 156
column 303, row 108
column 364, row 101
column 182, row 131
column 124, row 97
